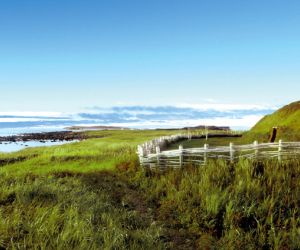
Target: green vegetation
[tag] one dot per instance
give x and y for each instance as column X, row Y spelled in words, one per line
column 198, row 143
column 94, row 195
column 112, row 148
column 286, row 119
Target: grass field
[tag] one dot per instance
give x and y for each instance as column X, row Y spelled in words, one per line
column 198, row 143
column 94, row 195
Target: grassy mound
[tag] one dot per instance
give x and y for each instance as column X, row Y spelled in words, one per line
column 287, row 121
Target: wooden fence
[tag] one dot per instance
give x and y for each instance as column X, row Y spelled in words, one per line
column 152, row 154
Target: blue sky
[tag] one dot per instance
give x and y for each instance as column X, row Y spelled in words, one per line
column 68, row 55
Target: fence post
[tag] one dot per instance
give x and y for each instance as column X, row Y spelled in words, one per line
column 255, row 143
column 280, row 146
column 141, row 154
column 140, row 151
column 147, row 147
column 157, row 155
column 205, row 153
column 231, row 151
column 180, row 155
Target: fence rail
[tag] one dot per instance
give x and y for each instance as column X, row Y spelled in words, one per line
column 152, row 154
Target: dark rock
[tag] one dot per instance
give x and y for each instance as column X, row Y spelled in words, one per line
column 42, row 137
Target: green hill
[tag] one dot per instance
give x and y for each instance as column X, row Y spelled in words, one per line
column 287, row 121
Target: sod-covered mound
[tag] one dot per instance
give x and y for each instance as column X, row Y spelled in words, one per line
column 282, row 124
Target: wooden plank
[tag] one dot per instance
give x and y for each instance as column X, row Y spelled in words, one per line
column 150, row 152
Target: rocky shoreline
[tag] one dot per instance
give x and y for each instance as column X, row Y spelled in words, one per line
column 43, row 137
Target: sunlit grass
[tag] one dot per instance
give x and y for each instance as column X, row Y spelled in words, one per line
column 94, row 195
column 113, row 148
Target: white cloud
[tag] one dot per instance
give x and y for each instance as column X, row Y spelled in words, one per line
column 245, row 122
column 181, row 115
column 226, row 106
column 21, row 119
column 30, row 113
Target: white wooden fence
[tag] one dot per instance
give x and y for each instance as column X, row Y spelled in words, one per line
column 151, row 153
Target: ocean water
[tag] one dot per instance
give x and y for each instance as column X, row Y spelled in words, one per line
column 8, row 147
column 24, row 130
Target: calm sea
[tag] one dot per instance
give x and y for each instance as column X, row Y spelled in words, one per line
column 16, row 146
column 16, row 131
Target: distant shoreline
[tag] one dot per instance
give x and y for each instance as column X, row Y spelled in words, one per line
column 77, row 133
column 85, row 128
column 44, row 136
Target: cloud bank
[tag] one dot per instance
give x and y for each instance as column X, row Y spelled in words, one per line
column 235, row 116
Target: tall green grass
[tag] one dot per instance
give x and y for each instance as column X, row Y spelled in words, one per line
column 247, row 205
column 64, row 211
column 94, row 195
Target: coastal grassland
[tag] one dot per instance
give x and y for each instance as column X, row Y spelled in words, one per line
column 212, row 142
column 94, row 195
column 103, row 150
column 72, row 196
column 246, row 205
